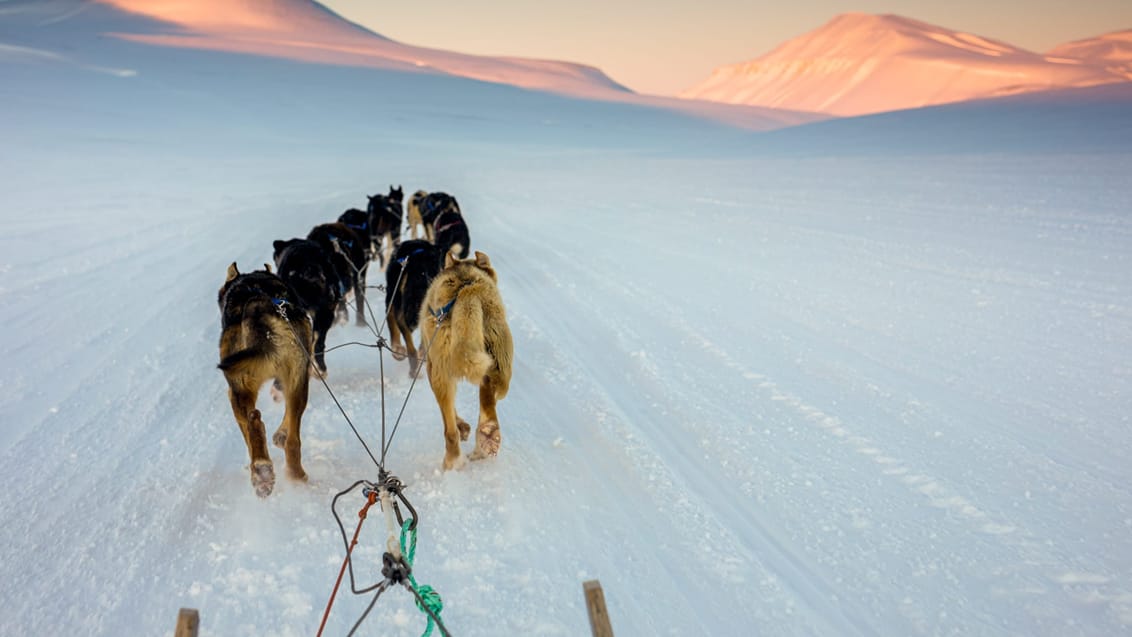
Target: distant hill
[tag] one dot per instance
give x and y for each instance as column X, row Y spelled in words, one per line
column 859, row 63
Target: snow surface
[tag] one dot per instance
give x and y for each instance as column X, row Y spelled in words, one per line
column 859, row 63
column 758, row 391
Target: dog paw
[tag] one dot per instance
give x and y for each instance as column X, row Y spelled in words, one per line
column 263, row 477
column 487, row 441
column 399, row 352
column 296, row 473
column 276, row 392
column 464, row 427
column 279, row 439
column 455, row 463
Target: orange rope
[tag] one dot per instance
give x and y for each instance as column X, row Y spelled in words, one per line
column 371, row 499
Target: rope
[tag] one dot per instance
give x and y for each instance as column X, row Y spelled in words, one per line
column 380, row 589
column 318, row 372
column 417, row 374
column 428, row 600
column 370, row 500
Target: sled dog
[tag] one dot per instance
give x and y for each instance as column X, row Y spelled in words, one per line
column 385, row 213
column 425, row 207
column 464, row 328
column 347, row 252
column 414, row 266
column 264, row 335
column 451, row 233
column 307, row 270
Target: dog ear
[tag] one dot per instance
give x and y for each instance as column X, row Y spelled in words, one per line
column 267, row 266
column 232, row 272
column 482, row 260
column 449, row 260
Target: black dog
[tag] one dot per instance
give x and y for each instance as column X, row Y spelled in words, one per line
column 347, row 253
column 432, row 206
column 307, row 269
column 358, row 221
column 452, row 233
column 385, row 214
column 407, row 278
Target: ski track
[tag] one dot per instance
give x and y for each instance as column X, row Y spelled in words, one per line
column 1036, row 576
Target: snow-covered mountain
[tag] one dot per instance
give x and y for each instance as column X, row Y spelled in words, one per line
column 307, row 31
column 83, row 33
column 1112, row 51
column 860, row 63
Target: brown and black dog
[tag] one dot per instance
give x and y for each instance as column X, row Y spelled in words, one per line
column 265, row 335
column 464, row 328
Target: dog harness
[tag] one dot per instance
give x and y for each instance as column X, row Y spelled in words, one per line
column 343, row 241
column 405, row 258
column 446, row 226
column 443, row 312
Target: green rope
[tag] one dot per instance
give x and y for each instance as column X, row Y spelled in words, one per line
column 428, row 594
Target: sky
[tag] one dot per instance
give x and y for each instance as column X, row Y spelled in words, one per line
column 665, row 46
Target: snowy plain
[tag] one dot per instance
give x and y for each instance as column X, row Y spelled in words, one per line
column 761, row 388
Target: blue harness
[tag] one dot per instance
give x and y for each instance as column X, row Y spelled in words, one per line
column 443, row 312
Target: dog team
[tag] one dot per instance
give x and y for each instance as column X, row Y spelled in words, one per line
column 274, row 324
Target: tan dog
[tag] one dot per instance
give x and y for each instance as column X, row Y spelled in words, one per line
column 414, row 212
column 464, row 326
column 262, row 337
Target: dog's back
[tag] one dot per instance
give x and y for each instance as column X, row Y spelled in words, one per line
column 347, row 252
column 415, row 264
column 451, row 233
column 475, row 340
column 254, row 332
column 305, row 267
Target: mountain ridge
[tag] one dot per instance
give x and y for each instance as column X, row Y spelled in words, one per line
column 858, row 63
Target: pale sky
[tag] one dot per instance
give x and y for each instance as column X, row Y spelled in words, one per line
column 664, row 46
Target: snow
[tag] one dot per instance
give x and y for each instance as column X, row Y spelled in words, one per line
column 762, row 385
column 860, row 63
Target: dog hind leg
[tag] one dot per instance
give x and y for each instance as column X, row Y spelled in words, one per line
column 487, row 433
column 445, row 391
column 262, row 470
column 251, row 425
column 297, row 391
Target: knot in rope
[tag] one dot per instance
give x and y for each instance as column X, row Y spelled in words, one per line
column 428, row 600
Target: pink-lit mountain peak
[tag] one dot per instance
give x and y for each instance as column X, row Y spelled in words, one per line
column 1115, row 46
column 860, row 63
column 1112, row 51
column 863, row 35
column 247, row 17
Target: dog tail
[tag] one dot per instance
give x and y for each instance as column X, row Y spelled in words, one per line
column 471, row 356
column 236, row 361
